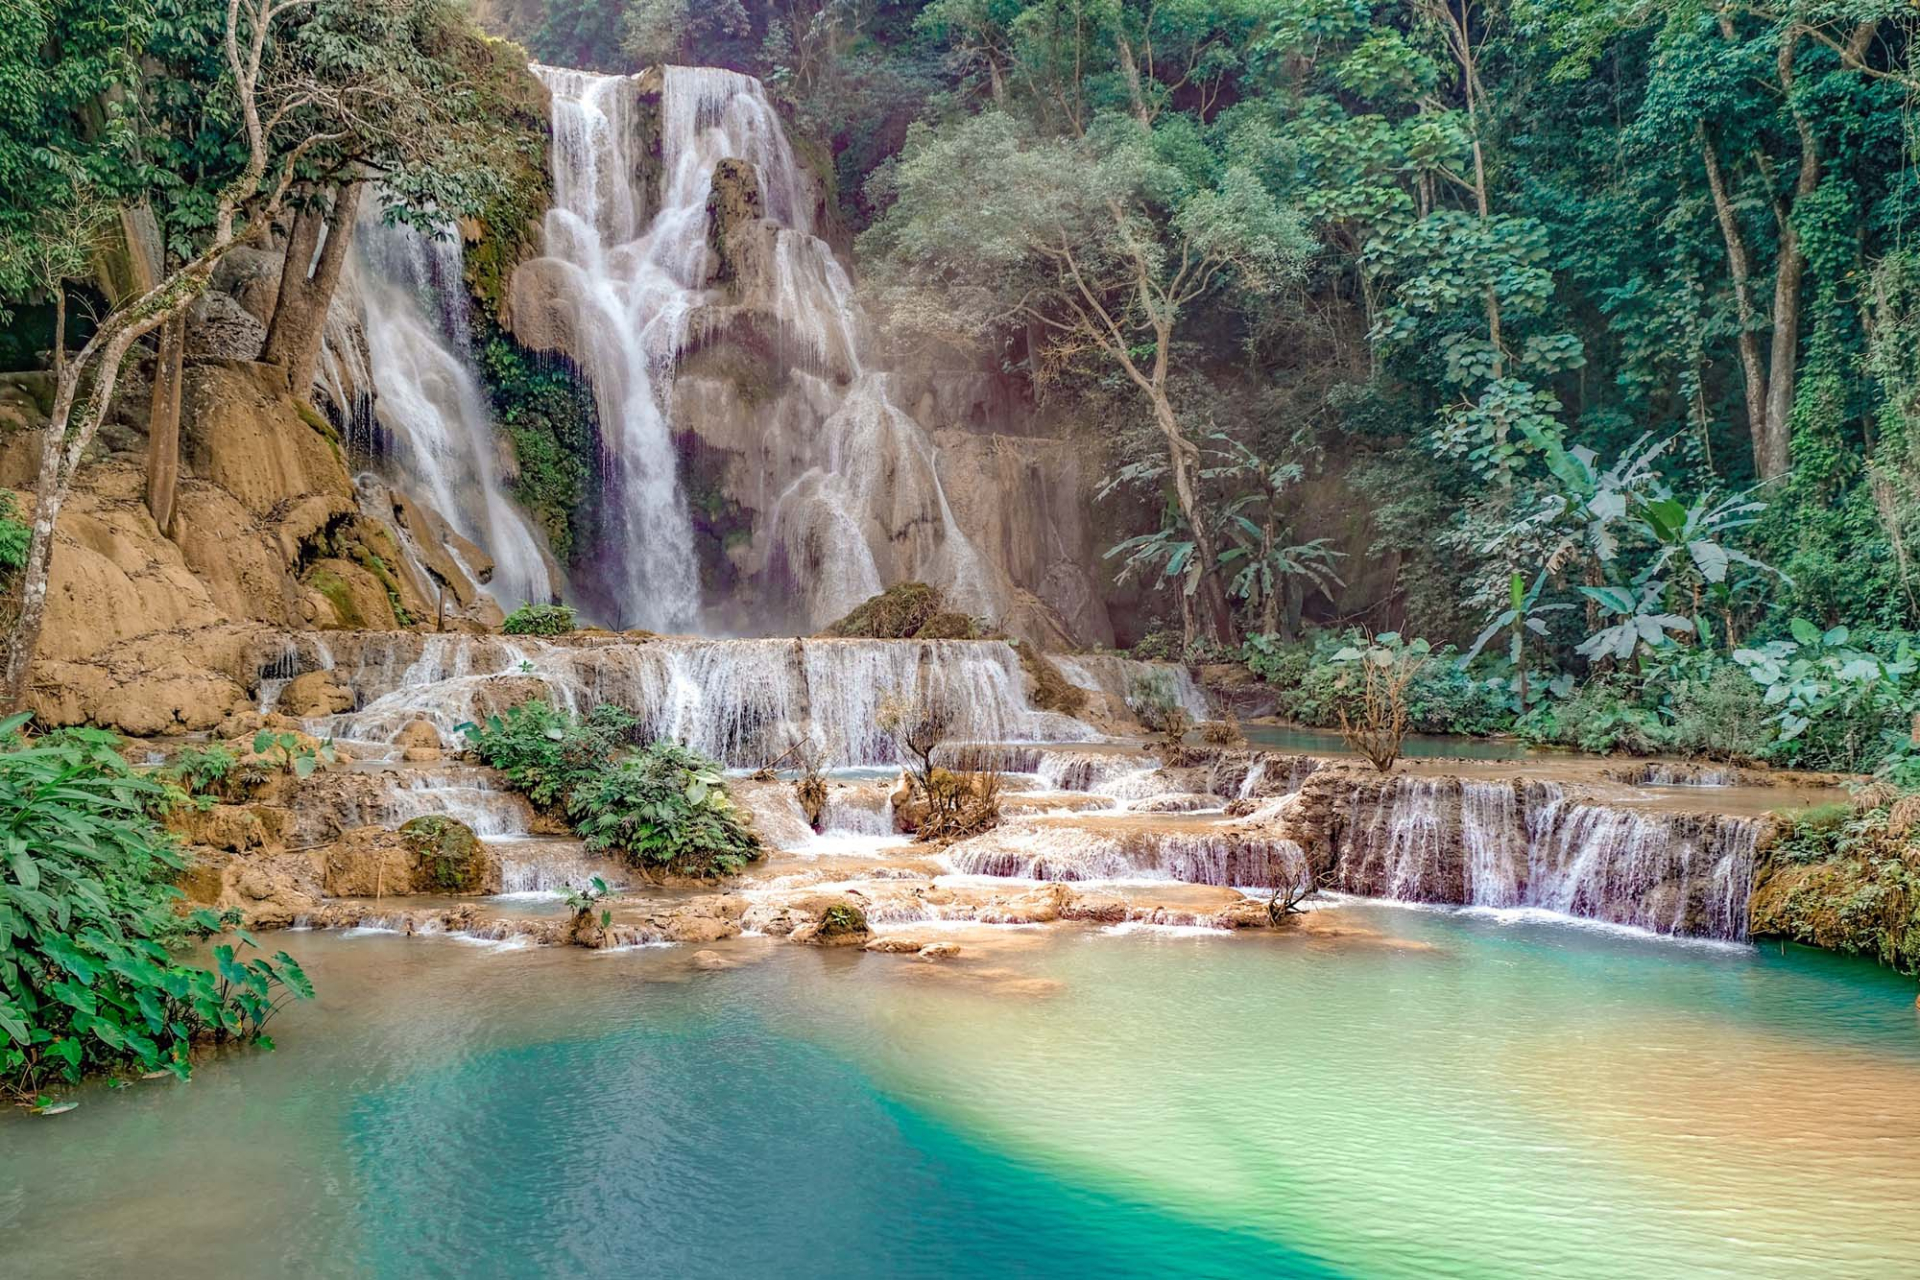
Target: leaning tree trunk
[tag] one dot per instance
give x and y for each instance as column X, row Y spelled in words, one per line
column 307, row 285
column 163, row 424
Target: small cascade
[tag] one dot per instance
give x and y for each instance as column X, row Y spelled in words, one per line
column 1120, row 775
column 1498, row 844
column 859, row 812
column 743, row 702
column 1116, row 677
column 549, row 866
column 463, row 794
column 1125, row 849
column 445, row 449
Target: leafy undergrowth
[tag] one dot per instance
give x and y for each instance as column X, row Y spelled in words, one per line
column 91, row 979
column 657, row 807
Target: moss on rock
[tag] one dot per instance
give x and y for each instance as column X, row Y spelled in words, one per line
column 1844, row 880
column 1047, row 686
column 449, row 857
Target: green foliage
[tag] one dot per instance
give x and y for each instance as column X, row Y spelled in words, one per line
column 546, row 753
column 1312, row 685
column 664, row 807
column 1679, row 702
column 581, row 904
column 539, row 620
column 549, row 415
column 291, row 754
column 657, row 807
column 15, row 535
column 202, row 774
column 89, row 980
column 1838, row 702
column 1844, row 879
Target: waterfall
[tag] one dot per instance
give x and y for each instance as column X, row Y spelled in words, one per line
column 858, row 482
column 631, row 289
column 464, row 794
column 1497, row 844
column 444, row 443
column 741, row 701
column 1109, row 849
column 1115, row 676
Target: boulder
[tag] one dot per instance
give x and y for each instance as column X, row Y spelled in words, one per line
column 419, row 733
column 316, row 693
column 449, row 858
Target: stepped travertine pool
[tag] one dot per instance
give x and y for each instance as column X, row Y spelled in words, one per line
column 1409, row 1092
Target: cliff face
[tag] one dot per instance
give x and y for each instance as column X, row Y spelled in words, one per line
column 151, row 633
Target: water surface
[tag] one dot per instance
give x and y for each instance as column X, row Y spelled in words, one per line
column 1433, row 1094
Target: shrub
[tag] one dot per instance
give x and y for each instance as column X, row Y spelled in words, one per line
column 1312, row 686
column 906, row 611
column 291, row 754
column 1844, row 880
column 661, row 806
column 664, row 806
column 88, row 978
column 201, row 771
column 1381, row 675
column 546, row 753
column 539, row 620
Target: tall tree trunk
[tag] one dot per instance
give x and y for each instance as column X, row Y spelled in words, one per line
column 163, row 424
column 1752, row 366
column 1784, row 358
column 300, row 310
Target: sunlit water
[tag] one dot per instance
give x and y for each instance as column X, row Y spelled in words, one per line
column 1436, row 1094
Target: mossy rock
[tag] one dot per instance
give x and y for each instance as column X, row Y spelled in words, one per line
column 449, row 857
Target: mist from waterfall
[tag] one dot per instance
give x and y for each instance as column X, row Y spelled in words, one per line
column 430, row 400
column 637, row 288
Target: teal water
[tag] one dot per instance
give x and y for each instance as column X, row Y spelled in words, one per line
column 1425, row 1094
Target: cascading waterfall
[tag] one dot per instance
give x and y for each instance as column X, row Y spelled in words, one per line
column 1495, row 844
column 631, row 291
column 1124, row 849
column 741, row 701
column 444, row 442
column 464, row 794
column 639, row 295
column 1115, row 677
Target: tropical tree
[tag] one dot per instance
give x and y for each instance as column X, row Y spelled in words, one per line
column 1524, row 613
column 1084, row 214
